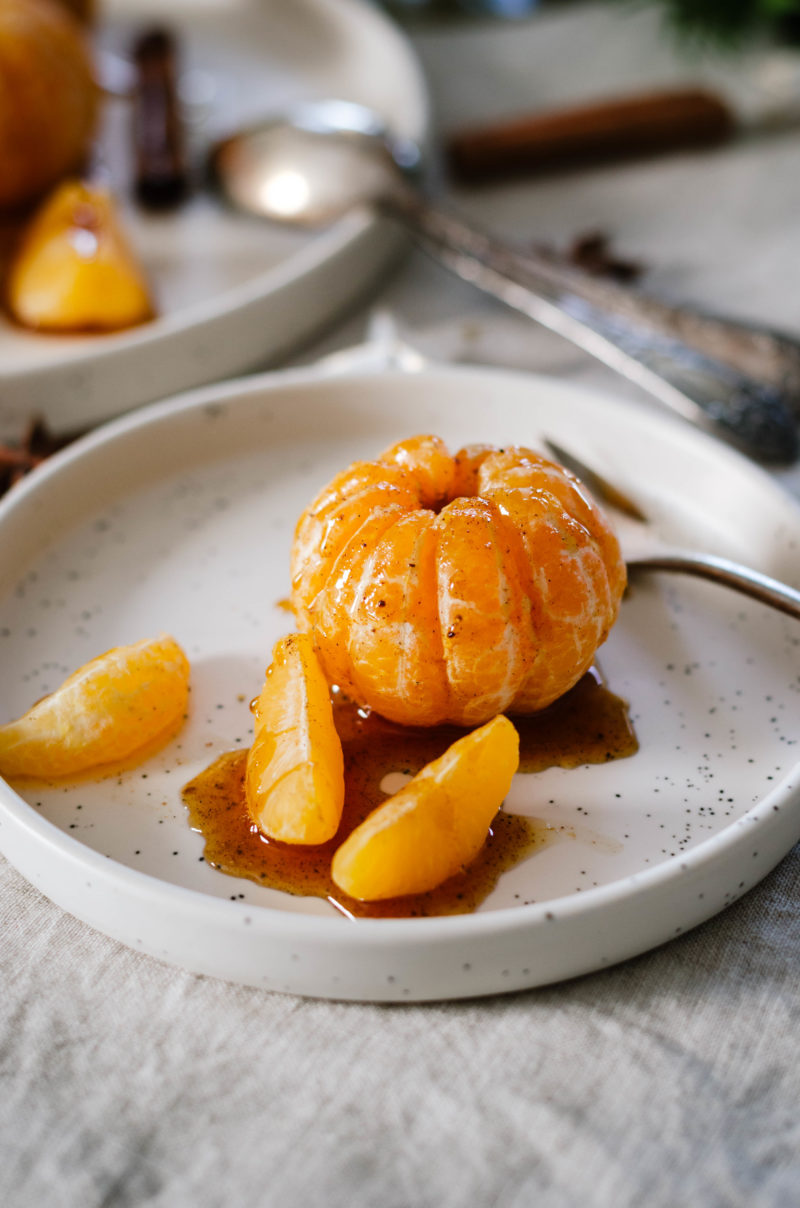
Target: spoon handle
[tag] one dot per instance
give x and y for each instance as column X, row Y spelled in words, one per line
column 729, row 574
column 618, row 327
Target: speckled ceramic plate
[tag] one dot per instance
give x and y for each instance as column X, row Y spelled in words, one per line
column 180, row 517
column 232, row 293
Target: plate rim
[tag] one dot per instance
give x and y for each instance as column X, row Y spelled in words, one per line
column 328, row 243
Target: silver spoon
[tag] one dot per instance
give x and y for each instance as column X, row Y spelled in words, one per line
column 332, row 156
column 644, row 550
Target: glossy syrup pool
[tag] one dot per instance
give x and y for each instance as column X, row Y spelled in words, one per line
column 590, row 724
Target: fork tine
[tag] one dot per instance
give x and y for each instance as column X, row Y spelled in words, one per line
column 605, row 491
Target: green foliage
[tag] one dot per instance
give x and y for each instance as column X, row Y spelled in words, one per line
column 727, row 20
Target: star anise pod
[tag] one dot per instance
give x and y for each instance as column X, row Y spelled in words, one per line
column 35, row 444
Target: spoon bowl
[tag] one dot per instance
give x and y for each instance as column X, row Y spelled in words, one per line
column 327, row 159
column 313, row 178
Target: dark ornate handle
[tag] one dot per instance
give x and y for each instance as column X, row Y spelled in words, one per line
column 640, row 338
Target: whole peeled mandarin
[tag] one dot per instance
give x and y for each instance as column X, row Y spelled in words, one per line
column 451, row 589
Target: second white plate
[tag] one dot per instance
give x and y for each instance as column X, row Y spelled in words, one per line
column 233, row 293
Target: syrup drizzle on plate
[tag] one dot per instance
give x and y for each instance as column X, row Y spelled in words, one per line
column 590, row 724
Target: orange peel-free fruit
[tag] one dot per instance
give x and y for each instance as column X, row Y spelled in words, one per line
column 49, row 101
column 75, row 270
column 294, row 782
column 443, row 588
column 436, row 824
column 120, row 702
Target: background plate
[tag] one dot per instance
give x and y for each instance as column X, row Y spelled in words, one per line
column 233, row 293
column 180, row 517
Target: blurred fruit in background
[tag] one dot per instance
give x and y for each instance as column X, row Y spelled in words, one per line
column 84, row 10
column 75, row 269
column 48, row 98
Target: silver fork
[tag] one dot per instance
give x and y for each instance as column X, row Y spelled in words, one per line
column 644, row 551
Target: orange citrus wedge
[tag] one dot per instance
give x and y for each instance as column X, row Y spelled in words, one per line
column 294, row 782
column 434, row 826
column 105, row 711
column 75, row 270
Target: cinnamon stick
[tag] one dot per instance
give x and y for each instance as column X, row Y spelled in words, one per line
column 618, row 128
column 162, row 179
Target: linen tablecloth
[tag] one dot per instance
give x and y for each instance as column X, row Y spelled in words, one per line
column 672, row 1080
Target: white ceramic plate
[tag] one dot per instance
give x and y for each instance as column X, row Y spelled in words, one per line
column 233, row 293
column 179, row 518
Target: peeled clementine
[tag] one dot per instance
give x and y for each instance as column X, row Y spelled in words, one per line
column 294, row 782
column 120, row 702
column 434, row 826
column 75, row 270
column 443, row 588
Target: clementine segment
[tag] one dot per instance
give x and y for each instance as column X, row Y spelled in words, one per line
column 75, row 270
column 578, row 575
column 450, row 589
column 466, row 464
column 483, row 608
column 434, row 826
column 115, row 705
column 394, row 652
column 335, row 516
column 338, row 601
column 430, row 466
column 294, row 782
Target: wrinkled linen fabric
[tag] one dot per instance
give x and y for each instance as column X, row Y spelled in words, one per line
column 673, row 1079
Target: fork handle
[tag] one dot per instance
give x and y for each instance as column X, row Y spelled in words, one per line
column 729, row 574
